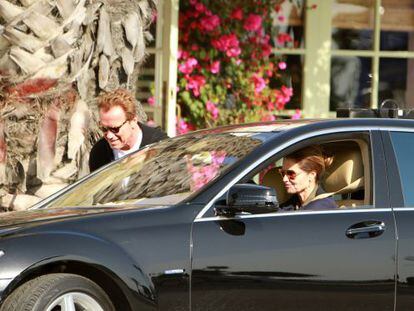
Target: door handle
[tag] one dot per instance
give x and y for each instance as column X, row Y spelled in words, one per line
column 366, row 229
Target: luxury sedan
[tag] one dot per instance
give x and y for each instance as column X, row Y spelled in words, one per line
column 197, row 222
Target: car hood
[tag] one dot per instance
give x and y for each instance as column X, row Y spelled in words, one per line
column 30, row 216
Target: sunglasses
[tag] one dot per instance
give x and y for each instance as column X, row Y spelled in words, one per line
column 289, row 173
column 114, row 129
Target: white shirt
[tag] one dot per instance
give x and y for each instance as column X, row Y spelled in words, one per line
column 118, row 153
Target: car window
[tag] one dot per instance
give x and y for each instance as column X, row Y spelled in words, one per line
column 162, row 174
column 347, row 180
column 403, row 144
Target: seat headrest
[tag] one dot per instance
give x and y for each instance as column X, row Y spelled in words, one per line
column 346, row 173
column 273, row 179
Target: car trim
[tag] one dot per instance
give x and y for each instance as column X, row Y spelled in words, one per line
column 304, row 212
column 295, row 140
column 400, row 209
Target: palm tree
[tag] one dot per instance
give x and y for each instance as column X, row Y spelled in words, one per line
column 55, row 57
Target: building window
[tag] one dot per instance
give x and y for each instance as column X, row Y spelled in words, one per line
column 353, row 53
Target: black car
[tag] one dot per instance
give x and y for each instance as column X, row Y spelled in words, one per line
column 194, row 223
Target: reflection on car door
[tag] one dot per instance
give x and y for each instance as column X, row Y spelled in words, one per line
column 298, row 260
column 399, row 148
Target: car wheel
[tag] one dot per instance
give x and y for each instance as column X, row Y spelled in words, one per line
column 58, row 292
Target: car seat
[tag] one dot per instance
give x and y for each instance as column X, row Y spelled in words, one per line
column 345, row 176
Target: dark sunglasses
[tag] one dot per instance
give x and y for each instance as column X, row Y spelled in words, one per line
column 114, row 130
column 289, row 173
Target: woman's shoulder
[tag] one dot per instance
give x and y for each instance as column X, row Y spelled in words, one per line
column 321, row 204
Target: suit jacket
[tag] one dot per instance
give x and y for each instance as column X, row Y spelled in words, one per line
column 102, row 154
column 319, row 204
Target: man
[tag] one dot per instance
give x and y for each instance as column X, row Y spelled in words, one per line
column 122, row 131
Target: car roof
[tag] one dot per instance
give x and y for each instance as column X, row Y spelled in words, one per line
column 284, row 125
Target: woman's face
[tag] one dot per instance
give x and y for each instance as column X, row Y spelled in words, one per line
column 295, row 179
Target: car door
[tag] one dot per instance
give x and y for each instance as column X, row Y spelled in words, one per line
column 399, row 149
column 299, row 260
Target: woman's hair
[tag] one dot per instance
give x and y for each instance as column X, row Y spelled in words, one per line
column 124, row 99
column 312, row 158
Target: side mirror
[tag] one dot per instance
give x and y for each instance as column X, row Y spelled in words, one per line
column 249, row 198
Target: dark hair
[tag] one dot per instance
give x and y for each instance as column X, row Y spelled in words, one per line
column 312, row 158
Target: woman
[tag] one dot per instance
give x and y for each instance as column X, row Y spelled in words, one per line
column 301, row 173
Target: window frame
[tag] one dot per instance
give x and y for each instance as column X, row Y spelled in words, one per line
column 323, row 140
column 379, row 187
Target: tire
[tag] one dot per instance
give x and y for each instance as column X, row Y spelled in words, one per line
column 54, row 292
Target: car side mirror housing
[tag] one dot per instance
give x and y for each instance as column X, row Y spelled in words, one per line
column 248, row 198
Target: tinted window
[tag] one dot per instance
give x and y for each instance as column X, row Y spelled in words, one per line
column 404, row 150
column 172, row 169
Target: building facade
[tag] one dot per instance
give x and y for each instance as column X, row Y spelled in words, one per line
column 341, row 53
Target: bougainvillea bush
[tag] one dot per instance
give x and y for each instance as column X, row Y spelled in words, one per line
column 226, row 70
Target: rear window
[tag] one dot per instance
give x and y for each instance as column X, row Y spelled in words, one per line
column 403, row 144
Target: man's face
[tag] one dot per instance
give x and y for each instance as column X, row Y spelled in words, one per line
column 118, row 131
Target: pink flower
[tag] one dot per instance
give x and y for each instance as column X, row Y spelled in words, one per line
column 297, row 115
column 259, row 83
column 233, row 51
column 281, row 18
column 284, row 37
column 182, row 54
column 200, row 7
column 215, row 67
column 282, row 65
column 228, row 44
column 151, row 101
column 268, row 117
column 287, row 91
column 209, row 23
column 195, row 83
column 266, row 50
column 253, row 22
column 212, row 108
column 237, row 14
column 188, row 66
column 184, row 127
column 283, row 96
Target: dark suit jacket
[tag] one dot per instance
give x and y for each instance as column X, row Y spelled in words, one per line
column 319, row 204
column 102, row 154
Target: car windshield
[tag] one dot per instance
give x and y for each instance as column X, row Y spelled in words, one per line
column 162, row 174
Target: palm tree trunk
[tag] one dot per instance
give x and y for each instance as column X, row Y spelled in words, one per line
column 55, row 57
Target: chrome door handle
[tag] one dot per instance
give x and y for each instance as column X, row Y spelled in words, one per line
column 366, row 229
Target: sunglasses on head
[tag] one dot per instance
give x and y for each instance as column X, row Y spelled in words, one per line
column 114, row 129
column 289, row 173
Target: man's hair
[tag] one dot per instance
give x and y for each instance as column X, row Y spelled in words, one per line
column 119, row 97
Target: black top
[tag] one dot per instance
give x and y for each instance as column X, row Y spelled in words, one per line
column 102, row 153
column 319, row 204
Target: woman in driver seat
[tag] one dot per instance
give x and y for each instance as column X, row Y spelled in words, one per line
column 301, row 173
